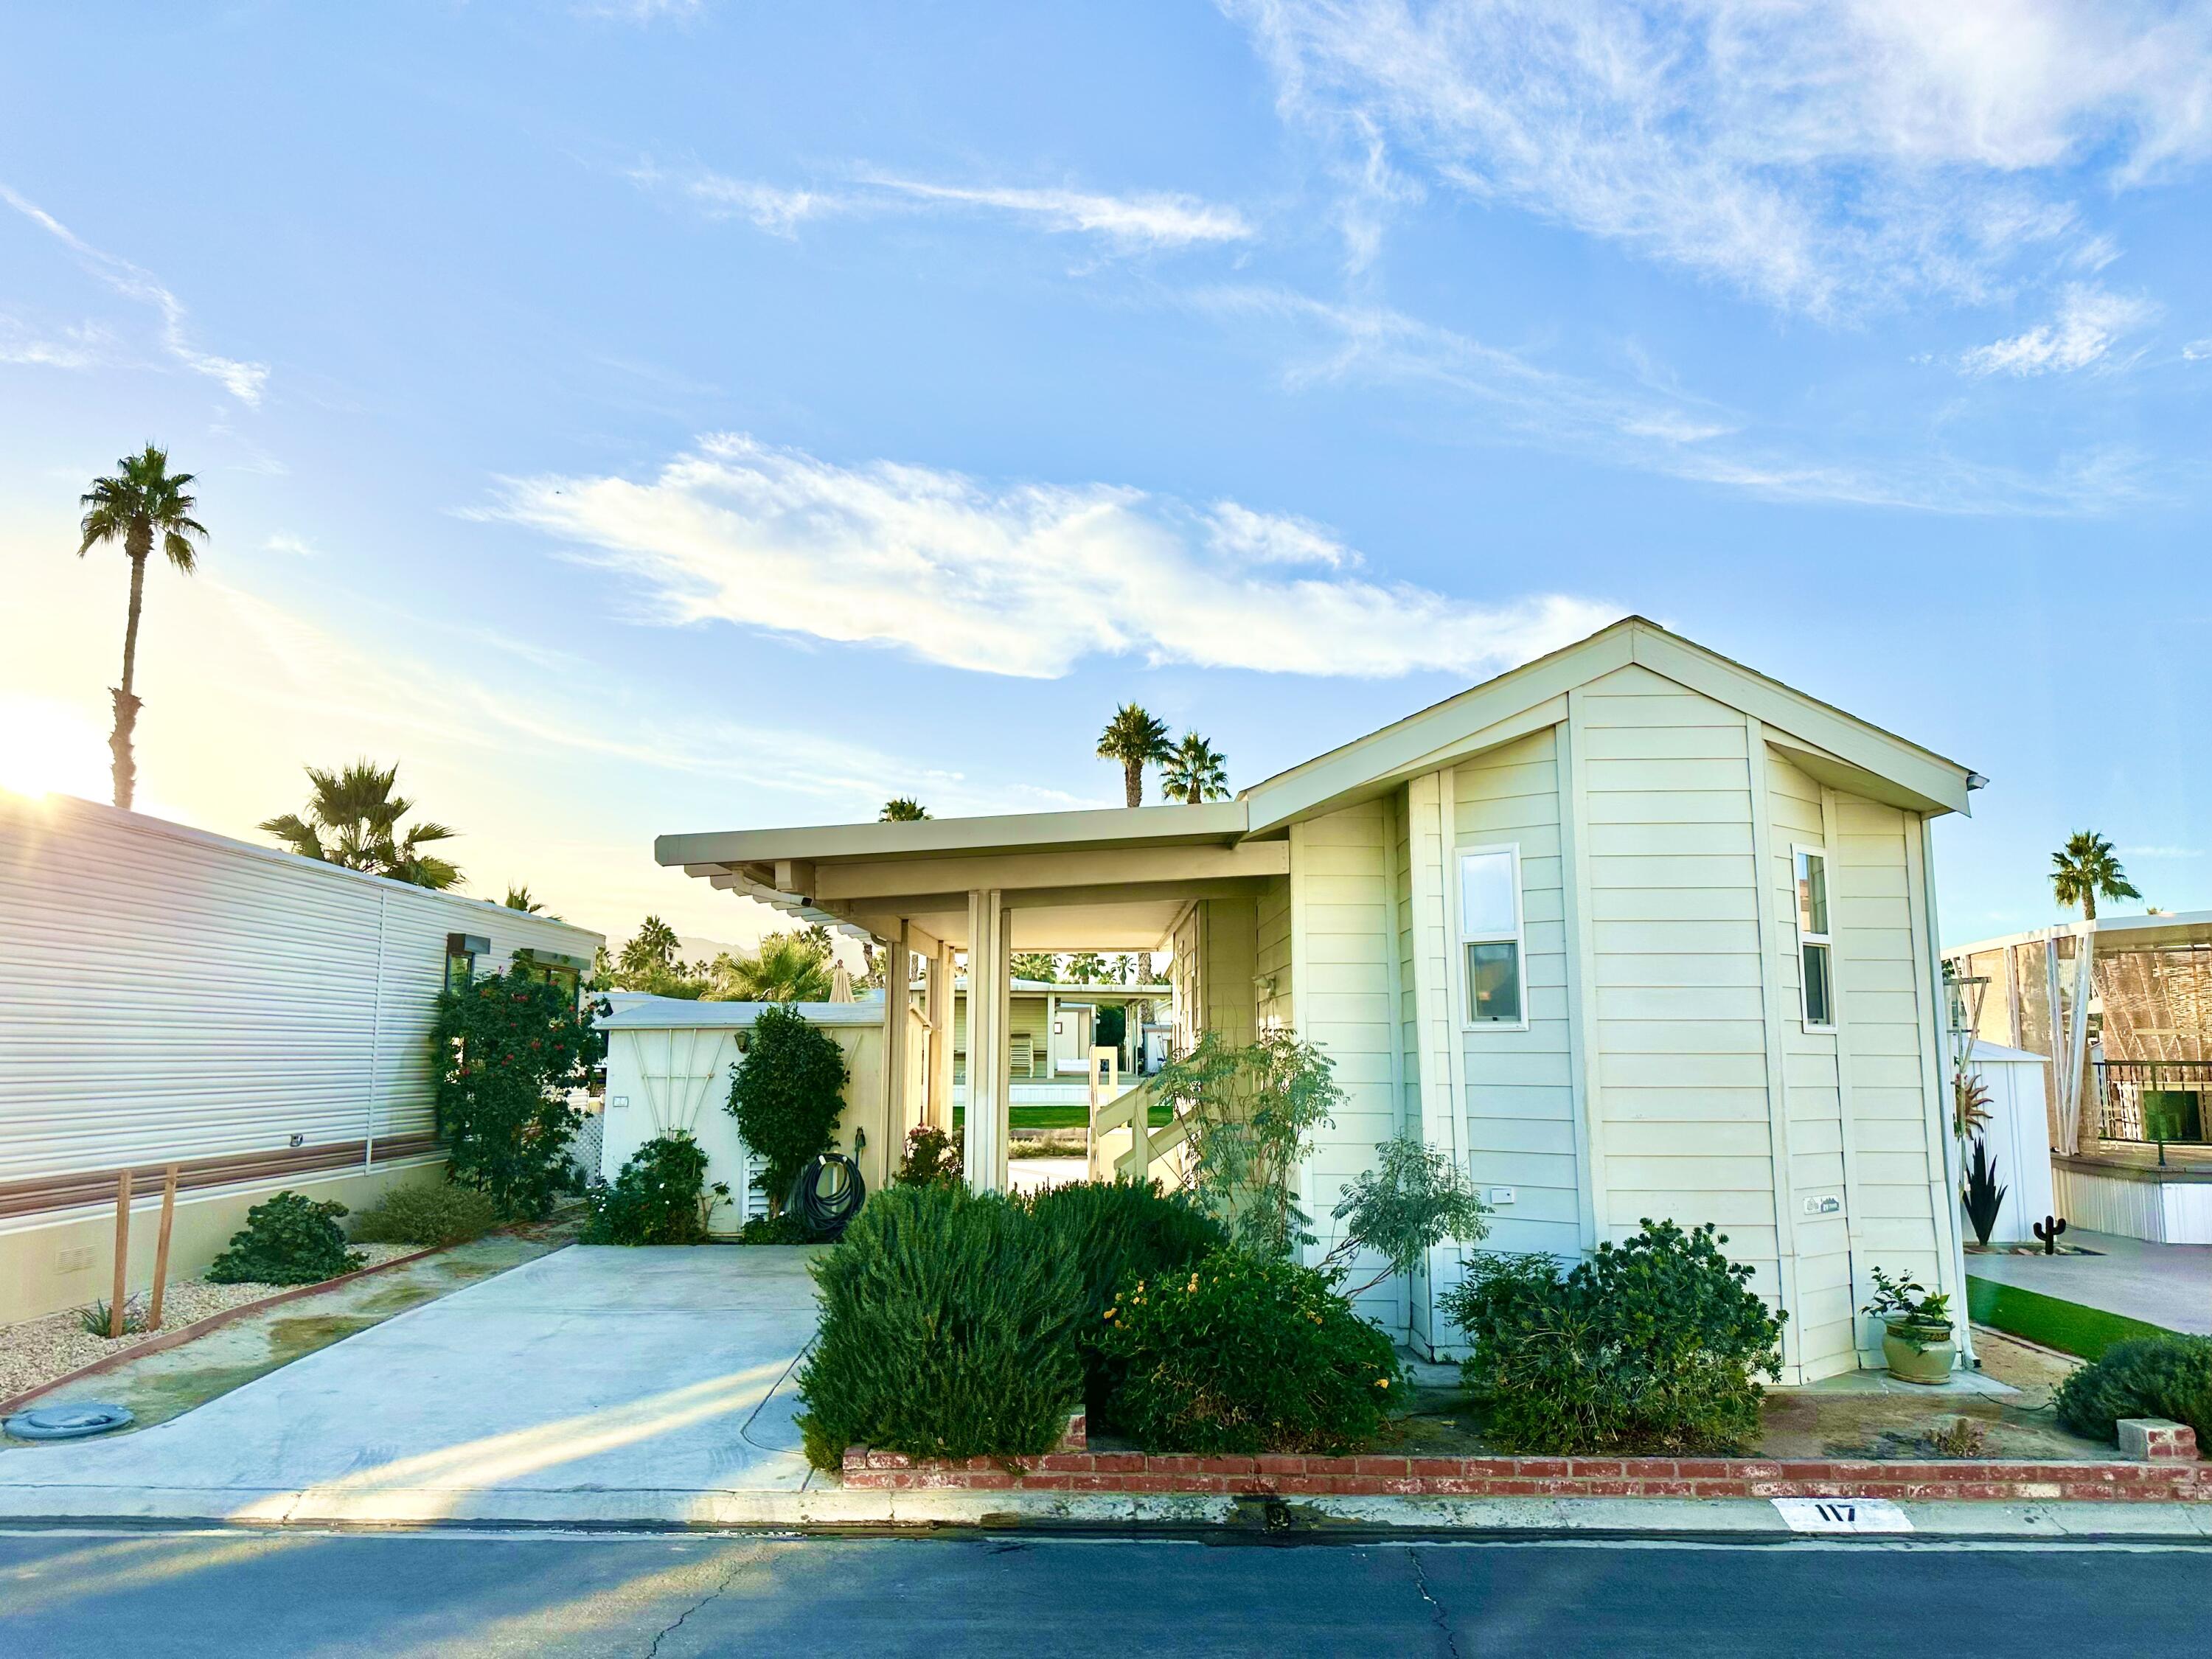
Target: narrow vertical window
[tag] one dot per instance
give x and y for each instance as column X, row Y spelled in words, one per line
column 1490, row 934
column 1815, row 945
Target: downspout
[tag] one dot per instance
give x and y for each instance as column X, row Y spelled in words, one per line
column 375, row 1036
column 1953, row 1175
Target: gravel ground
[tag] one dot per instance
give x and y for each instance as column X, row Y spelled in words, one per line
column 39, row 1350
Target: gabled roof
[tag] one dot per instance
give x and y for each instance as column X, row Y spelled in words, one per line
column 1837, row 747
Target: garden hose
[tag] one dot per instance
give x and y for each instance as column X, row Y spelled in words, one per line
column 827, row 1214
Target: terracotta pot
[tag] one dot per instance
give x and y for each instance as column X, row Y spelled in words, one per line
column 1919, row 1353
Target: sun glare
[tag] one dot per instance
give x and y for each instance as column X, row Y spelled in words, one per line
column 51, row 748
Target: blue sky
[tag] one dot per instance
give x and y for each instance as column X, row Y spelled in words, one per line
column 651, row 417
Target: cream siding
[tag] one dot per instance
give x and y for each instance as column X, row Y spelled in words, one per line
column 1677, row 1024
column 1520, row 1102
column 1341, row 872
column 1278, row 996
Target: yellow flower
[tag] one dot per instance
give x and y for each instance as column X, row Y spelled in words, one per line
column 1382, row 1381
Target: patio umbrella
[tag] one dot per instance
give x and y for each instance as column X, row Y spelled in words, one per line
column 841, row 984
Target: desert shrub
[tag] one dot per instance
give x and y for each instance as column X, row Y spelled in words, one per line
column 1655, row 1345
column 947, row 1330
column 786, row 1095
column 2168, row 1376
column 507, row 1045
column 1113, row 1232
column 932, row 1158
column 1252, row 1110
column 434, row 1214
column 660, row 1197
column 781, row 1229
column 97, row 1318
column 288, row 1240
column 1245, row 1354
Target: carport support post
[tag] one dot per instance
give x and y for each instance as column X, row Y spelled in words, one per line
column 898, row 976
column 940, row 1038
column 982, row 1142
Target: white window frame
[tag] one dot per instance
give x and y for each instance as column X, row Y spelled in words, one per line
column 1826, row 941
column 1462, row 986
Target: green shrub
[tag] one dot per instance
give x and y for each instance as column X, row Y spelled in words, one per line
column 947, row 1330
column 1243, row 1353
column 1115, row 1231
column 2168, row 1376
column 289, row 1240
column 784, row 1229
column 786, row 1095
column 932, row 1158
column 436, row 1213
column 1653, row 1345
column 505, row 1046
column 1253, row 1111
column 659, row 1197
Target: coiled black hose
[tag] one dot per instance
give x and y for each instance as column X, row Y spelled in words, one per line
column 827, row 1214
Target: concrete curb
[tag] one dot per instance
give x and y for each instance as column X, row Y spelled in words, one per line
column 835, row 1508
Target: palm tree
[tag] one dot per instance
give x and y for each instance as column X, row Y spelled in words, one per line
column 1137, row 740
column 1195, row 770
column 1086, row 968
column 786, row 968
column 360, row 816
column 1041, row 965
column 651, row 949
column 902, row 809
column 142, row 501
column 517, row 898
column 1122, row 965
column 2083, row 869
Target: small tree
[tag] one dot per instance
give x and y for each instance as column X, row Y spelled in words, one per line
column 504, row 1046
column 1414, row 1199
column 1253, row 1113
column 786, row 1095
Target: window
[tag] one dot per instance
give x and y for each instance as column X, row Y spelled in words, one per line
column 1490, row 934
column 1817, row 979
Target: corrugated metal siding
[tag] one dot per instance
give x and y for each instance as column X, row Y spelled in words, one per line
column 172, row 994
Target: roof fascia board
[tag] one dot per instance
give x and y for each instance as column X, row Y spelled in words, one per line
column 1940, row 783
column 1220, row 821
column 1012, row 871
column 1417, row 743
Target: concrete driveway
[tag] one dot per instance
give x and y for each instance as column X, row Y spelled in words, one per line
column 573, row 1386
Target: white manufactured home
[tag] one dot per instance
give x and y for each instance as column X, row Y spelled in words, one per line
column 1630, row 931
column 258, row 1019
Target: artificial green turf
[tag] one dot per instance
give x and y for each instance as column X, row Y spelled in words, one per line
column 2066, row 1325
column 1070, row 1116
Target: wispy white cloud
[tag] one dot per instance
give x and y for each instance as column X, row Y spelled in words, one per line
column 82, row 345
column 1008, row 578
column 2090, row 322
column 2162, row 852
column 1140, row 220
column 639, row 11
column 2197, row 350
column 1821, row 158
column 1503, row 396
column 299, row 547
column 243, row 380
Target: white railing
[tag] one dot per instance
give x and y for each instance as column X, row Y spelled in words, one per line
column 1113, row 1107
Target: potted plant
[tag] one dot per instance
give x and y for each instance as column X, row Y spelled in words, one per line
column 1918, row 1337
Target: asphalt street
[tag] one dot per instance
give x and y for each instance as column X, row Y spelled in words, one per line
column 234, row 1594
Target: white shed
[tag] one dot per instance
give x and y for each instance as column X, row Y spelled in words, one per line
column 258, row 1019
column 2018, row 1136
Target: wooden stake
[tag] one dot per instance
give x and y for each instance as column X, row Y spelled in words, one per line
column 162, row 1248
column 122, row 1254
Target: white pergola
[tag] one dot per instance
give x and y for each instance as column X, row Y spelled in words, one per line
column 1115, row 880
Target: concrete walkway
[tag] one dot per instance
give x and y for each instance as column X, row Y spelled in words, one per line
column 550, row 1391
column 2169, row 1284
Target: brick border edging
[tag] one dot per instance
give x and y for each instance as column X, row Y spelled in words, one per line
column 184, row 1334
column 1271, row 1476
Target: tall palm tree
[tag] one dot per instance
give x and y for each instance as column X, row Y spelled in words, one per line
column 2085, row 868
column 140, row 502
column 787, row 968
column 902, row 809
column 353, row 820
column 517, row 898
column 1122, row 965
column 653, row 947
column 1195, row 770
column 1137, row 740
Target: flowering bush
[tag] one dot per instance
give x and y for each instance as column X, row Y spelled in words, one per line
column 657, row 1199
column 506, row 1045
column 1242, row 1353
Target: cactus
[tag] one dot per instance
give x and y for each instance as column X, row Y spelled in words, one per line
column 2048, row 1229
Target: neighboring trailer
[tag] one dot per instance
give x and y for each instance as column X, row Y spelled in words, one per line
column 258, row 1019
